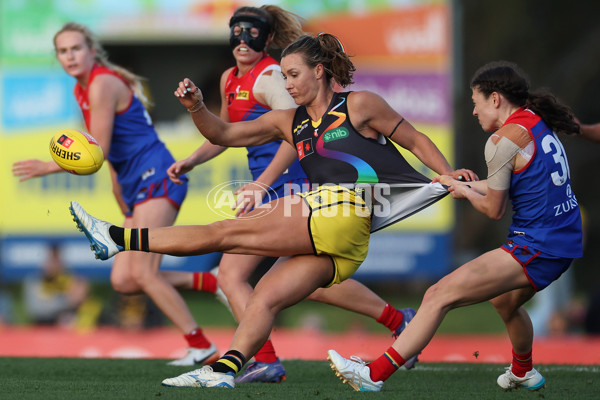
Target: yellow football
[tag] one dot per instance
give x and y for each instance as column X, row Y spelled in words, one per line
column 76, row 152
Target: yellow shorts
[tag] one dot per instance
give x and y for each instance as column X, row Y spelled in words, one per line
column 339, row 226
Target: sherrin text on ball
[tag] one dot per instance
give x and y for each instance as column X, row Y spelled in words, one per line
column 76, row 152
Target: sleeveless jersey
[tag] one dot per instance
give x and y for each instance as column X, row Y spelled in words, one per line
column 333, row 152
column 243, row 106
column 136, row 153
column 546, row 214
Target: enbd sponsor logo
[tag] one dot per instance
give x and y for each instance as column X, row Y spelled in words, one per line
column 224, row 198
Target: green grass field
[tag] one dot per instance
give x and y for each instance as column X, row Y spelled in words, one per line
column 29, row 378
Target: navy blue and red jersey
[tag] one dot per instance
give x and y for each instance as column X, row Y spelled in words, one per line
column 546, row 214
column 243, row 106
column 136, row 152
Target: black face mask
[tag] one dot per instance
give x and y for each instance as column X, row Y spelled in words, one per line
column 247, row 22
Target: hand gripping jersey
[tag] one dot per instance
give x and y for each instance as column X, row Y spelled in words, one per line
column 546, row 214
column 243, row 106
column 136, row 153
column 331, row 151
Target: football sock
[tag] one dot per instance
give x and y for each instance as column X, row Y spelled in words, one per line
column 232, row 361
column 266, row 354
column 391, row 318
column 117, row 235
column 385, row 365
column 521, row 364
column 130, row 239
column 205, row 282
column 197, row 339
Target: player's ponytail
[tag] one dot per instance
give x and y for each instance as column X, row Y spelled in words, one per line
column 327, row 50
column 507, row 79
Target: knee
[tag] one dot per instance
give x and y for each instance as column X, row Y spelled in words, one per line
column 317, row 295
column 504, row 306
column 227, row 279
column 430, row 294
column 262, row 303
column 124, row 284
column 439, row 296
column 231, row 278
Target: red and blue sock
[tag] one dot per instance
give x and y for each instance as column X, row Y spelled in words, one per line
column 521, row 364
column 386, row 365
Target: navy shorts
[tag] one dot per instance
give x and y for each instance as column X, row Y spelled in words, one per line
column 540, row 268
column 156, row 189
column 288, row 188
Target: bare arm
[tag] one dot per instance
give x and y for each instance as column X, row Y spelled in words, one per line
column 488, row 201
column 504, row 153
column 204, row 153
column 374, row 115
column 249, row 195
column 106, row 94
column 207, row 151
column 32, row 168
column 285, row 156
column 591, row 131
column 269, row 127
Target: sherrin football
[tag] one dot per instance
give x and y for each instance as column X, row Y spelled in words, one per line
column 76, row 152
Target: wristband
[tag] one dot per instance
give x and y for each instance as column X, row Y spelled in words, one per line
column 196, row 107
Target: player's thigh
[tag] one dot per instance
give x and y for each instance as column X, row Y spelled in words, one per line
column 154, row 213
column 482, row 279
column 279, row 228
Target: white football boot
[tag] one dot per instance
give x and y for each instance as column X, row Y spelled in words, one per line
column 532, row 380
column 96, row 231
column 196, row 356
column 354, row 371
column 203, row 377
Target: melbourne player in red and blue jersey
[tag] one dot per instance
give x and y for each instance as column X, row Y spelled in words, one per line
column 546, row 216
column 242, row 105
column 136, row 154
column 111, row 99
column 528, row 166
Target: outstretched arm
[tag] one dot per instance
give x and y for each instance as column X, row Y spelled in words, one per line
column 267, row 128
column 487, row 201
column 591, row 131
column 32, row 168
column 374, row 114
column 204, row 153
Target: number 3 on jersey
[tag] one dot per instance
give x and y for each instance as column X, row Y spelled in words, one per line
column 551, row 145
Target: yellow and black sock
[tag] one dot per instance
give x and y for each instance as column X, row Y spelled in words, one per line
column 232, row 361
column 130, row 239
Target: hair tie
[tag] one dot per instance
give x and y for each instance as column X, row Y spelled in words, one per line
column 340, row 45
